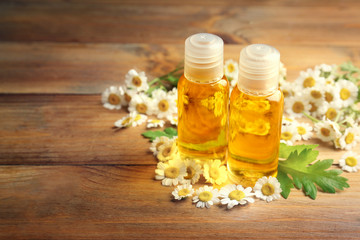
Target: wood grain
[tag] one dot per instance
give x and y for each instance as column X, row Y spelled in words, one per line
column 65, row 173
column 90, row 68
column 273, row 22
column 92, row 202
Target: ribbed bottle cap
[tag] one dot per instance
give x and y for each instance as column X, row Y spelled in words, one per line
column 259, row 68
column 204, row 57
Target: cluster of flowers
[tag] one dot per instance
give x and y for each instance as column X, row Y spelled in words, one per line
column 141, row 101
column 173, row 171
column 329, row 100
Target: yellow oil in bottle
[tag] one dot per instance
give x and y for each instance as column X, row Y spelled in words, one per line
column 255, row 123
column 255, row 114
column 202, row 118
column 203, row 95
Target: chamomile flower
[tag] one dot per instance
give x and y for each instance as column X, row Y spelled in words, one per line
column 155, row 145
column 173, row 119
column 233, row 195
column 309, row 78
column 304, row 130
column 267, row 189
column 231, row 70
column 141, row 103
column 326, row 71
column 132, row 119
column 128, row 95
column 113, row 98
column 170, row 173
column 289, row 134
column 214, row 172
column 136, row 80
column 167, row 151
column 331, row 94
column 330, row 111
column 193, row 170
column 124, row 122
column 164, row 103
column 138, row 119
column 183, row 191
column 350, row 162
column 286, row 121
column 350, row 138
column 206, row 197
column 295, row 106
column 348, row 92
column 154, row 123
column 327, row 130
column 314, row 94
column 287, row 88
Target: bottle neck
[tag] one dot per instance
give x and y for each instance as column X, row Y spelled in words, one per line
column 203, row 75
column 258, row 92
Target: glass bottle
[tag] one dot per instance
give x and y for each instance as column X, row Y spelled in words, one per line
column 256, row 107
column 203, row 93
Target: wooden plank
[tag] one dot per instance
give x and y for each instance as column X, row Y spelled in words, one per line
column 109, row 202
column 58, row 129
column 90, row 68
column 278, row 22
column 76, row 129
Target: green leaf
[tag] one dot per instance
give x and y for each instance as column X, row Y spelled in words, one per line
column 349, row 67
column 171, row 131
column 307, row 174
column 168, row 132
column 286, row 150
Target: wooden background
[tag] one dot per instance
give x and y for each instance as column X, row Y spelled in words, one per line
column 66, row 174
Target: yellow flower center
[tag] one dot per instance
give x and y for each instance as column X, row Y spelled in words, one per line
column 351, row 161
column 331, row 113
column 126, row 121
column 171, row 172
column 349, row 138
column 166, row 151
column 114, row 99
column 136, row 81
column 325, row 132
column 205, row 196
column 309, row 82
column 190, row 173
column 301, row 130
column 337, row 142
column 127, row 97
column 141, row 108
column 214, row 173
column 184, row 192
column 286, row 136
column 268, row 189
column 158, row 145
column 344, row 94
column 329, row 97
column 286, row 93
column 316, row 94
column 231, row 67
column 236, row 195
column 163, row 105
column 313, row 107
column 298, row 107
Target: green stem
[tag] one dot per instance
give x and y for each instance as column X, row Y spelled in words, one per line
column 154, row 81
column 311, row 118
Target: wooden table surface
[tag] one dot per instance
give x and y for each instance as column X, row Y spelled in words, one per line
column 65, row 173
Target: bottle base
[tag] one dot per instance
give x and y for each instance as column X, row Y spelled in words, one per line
column 248, row 177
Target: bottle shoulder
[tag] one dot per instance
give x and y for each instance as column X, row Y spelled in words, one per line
column 222, row 82
column 275, row 96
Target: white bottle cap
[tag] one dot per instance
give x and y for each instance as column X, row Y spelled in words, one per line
column 204, row 58
column 259, row 68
